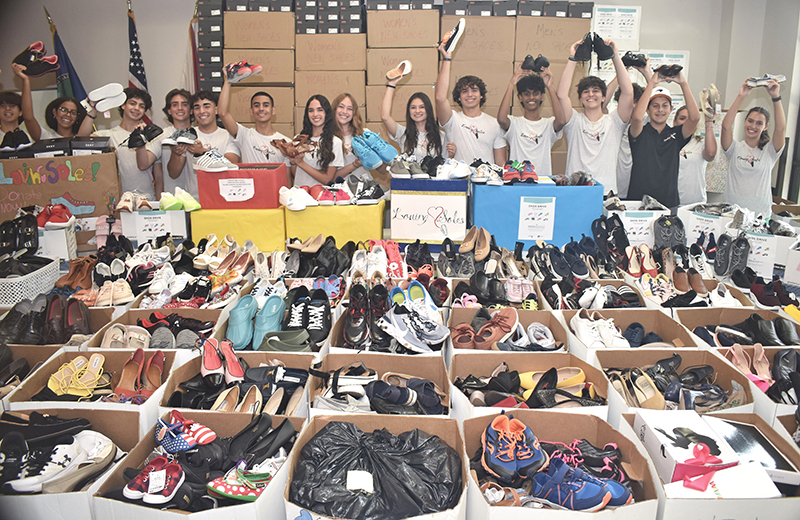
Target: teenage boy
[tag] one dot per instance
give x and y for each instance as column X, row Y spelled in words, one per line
column 593, row 138
column 209, row 137
column 131, row 178
column 255, row 143
column 531, row 136
column 475, row 134
column 656, row 146
column 178, row 109
column 10, row 112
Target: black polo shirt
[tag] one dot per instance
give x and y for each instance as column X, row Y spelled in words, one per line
column 656, row 160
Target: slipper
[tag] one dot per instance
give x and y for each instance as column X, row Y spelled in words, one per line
column 114, row 336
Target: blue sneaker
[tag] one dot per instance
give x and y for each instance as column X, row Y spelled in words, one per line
column 499, row 450
column 398, row 296
column 384, row 150
column 560, row 489
column 369, row 158
column 530, row 456
column 620, row 494
column 268, row 319
column 240, row 322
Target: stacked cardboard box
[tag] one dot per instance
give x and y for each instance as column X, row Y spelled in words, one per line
column 329, row 16
column 210, row 40
column 266, row 39
column 329, row 64
column 393, row 37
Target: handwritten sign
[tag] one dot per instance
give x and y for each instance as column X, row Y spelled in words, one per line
column 431, row 217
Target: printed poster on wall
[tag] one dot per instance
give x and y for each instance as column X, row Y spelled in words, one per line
column 429, row 218
column 620, row 23
column 536, row 218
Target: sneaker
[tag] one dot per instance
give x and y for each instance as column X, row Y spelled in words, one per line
column 326, row 198
column 162, row 279
column 173, row 480
column 213, row 161
column 481, row 174
column 561, row 487
column 539, row 334
column 460, row 170
column 531, row 302
column 452, row 36
column 416, row 171
column 185, row 136
column 764, row 80
column 99, row 452
column 289, row 198
column 498, row 450
column 305, row 196
column 356, row 319
column 169, row 202
column 400, row 324
column 241, row 70
column 528, row 174
column 585, row 329
column 13, row 457
column 370, row 195
column 495, row 178
column 369, row 158
column 343, row 197
column 609, row 333
column 319, row 317
column 510, row 172
column 47, row 464
column 106, row 97
column 384, row 150
column 126, row 202
column 529, row 456
column 399, row 169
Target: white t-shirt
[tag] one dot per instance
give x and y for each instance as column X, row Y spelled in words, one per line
column 624, row 163
column 692, row 173
column 532, row 141
column 749, row 182
column 219, row 140
column 257, row 148
column 49, row 133
column 131, row 178
column 421, row 150
column 594, row 147
column 474, row 137
column 302, row 178
column 163, row 153
column 350, row 158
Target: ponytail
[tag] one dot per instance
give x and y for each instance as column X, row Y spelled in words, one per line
column 763, row 139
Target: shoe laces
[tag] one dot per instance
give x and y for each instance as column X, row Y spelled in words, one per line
column 507, row 445
column 296, row 317
column 315, row 317
column 418, row 323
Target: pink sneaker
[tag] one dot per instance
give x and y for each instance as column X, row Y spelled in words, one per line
column 326, row 198
column 343, row 198
column 395, row 266
column 514, row 290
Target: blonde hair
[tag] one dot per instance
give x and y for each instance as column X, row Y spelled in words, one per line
column 357, row 123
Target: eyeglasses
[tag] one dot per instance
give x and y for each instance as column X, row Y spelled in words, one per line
column 73, row 113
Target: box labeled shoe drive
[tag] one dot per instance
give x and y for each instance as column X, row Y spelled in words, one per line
column 671, row 437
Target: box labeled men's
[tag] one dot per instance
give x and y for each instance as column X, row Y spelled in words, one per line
column 551, row 37
column 484, row 39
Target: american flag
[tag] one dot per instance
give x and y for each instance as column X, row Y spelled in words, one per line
column 136, row 74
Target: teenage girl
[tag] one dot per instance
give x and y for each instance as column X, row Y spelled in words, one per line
column 319, row 165
column 349, row 124
column 63, row 115
column 750, row 161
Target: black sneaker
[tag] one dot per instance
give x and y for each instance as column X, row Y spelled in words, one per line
column 603, row 51
column 13, row 457
column 584, row 50
column 378, row 307
column 178, row 323
column 356, row 321
column 529, row 63
column 369, row 195
column 297, row 317
column 152, row 131
column 136, row 139
column 318, row 312
column 30, row 54
column 425, row 165
column 669, row 71
column 631, row 59
column 40, row 429
column 41, row 66
column 187, row 136
column 540, row 63
column 15, row 140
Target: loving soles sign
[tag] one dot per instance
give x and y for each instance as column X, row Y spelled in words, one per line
column 430, row 217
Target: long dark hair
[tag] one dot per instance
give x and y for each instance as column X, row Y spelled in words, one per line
column 763, row 139
column 50, row 119
column 431, row 128
column 325, row 152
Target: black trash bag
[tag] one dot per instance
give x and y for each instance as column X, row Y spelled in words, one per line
column 414, row 473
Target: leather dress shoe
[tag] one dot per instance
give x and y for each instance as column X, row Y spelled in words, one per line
column 783, row 364
column 76, row 318
column 696, row 375
column 18, row 368
column 13, row 325
column 33, row 334
column 760, row 329
column 479, row 286
column 497, row 291
column 54, row 324
column 786, row 331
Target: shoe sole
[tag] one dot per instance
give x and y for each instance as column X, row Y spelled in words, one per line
column 182, row 140
column 452, row 40
column 399, row 71
column 106, row 91
column 110, row 102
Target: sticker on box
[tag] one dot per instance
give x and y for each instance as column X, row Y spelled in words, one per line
column 536, row 218
column 237, row 190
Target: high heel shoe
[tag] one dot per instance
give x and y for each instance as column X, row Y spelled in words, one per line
column 153, row 372
column 648, row 264
column 211, row 367
column 739, row 358
column 646, row 392
column 233, row 369
column 227, row 400
column 761, row 363
column 219, row 265
column 634, row 267
column 131, row 374
column 252, row 401
column 468, row 244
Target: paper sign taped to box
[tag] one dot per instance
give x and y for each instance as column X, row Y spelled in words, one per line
column 429, row 218
column 87, row 185
column 237, row 190
column 537, row 215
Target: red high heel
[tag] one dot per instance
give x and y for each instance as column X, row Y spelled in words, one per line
column 153, row 372
column 131, row 374
column 211, row 366
column 233, row 369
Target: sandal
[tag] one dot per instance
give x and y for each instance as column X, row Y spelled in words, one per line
column 61, row 380
column 137, row 337
column 114, row 336
column 84, row 383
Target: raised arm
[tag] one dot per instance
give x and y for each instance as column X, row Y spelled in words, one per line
column 31, row 123
column 693, row 113
column 726, row 134
column 222, row 108
column 443, row 109
column 637, row 117
column 88, row 121
column 610, row 89
column 625, row 105
column 779, row 134
column 563, row 86
column 508, row 98
column 386, row 107
column 558, row 112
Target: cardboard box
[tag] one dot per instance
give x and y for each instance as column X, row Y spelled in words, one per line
column 210, row 24
column 642, row 357
column 346, row 52
column 422, row 4
column 495, row 74
column 118, row 425
column 505, row 8
column 481, row 364
column 446, row 429
column 485, row 39
column 550, row 37
column 411, row 29
column 580, row 9
column 555, row 9
column 377, row 5
column 265, row 227
column 209, row 9
column 638, row 224
column 566, row 427
column 429, row 210
column 278, row 65
column 256, row 30
column 306, row 26
column 481, row 8
column 399, row 5
column 142, row 226
column 210, row 57
column 455, row 8
column 283, row 6
column 209, row 41
column 268, row 505
column 328, row 83
column 252, row 186
column 432, row 369
column 236, row 5
column 253, row 359
column 695, row 223
column 374, row 99
column 115, row 359
column 240, row 103
column 424, row 71
column 530, row 8
column 345, row 223
column 352, row 27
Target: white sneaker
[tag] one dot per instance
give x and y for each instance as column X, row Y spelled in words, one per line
column 722, row 297
column 481, row 174
column 278, row 263
column 160, row 256
column 698, row 260
column 291, row 199
column 611, row 335
column 100, row 452
column 460, row 171
column 377, row 261
column 184, row 197
column 495, row 179
column 443, row 170
column 179, row 282
column 126, row 202
column 585, row 330
column 601, row 298
column 62, row 457
column 359, row 262
column 213, row 161
column 306, row 197
column 539, row 334
column 162, row 279
column 262, row 265
column 588, row 296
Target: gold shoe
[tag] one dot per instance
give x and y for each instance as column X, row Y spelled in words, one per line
column 252, row 401
column 61, row 380
column 84, row 382
column 227, row 400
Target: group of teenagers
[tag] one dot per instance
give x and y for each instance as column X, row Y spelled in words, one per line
column 632, row 151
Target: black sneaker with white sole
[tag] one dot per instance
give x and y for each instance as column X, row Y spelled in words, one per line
column 369, row 195
column 319, row 317
column 136, row 139
column 451, row 38
column 13, row 457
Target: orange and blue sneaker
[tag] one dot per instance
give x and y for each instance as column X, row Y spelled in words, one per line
column 511, row 173
column 529, row 454
column 563, row 487
column 527, row 173
column 499, row 445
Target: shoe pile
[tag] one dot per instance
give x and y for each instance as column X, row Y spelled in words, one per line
column 512, row 455
column 578, row 178
column 343, row 193
column 206, row 470
column 45, row 454
column 45, row 320
column 408, row 167
column 318, row 256
column 36, row 62
column 413, row 320
column 585, row 294
column 185, row 331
